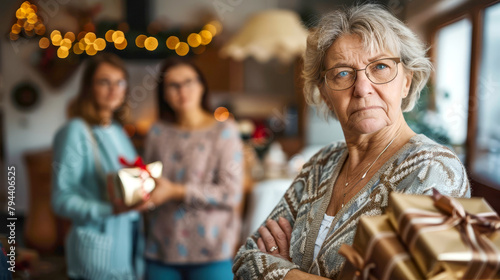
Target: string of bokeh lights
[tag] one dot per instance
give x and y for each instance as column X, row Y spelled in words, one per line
column 88, row 42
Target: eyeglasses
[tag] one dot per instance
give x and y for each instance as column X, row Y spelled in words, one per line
column 171, row 87
column 107, row 83
column 380, row 71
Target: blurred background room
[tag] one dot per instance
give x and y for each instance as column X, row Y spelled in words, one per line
column 250, row 52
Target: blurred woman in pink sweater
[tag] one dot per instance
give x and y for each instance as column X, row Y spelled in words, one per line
column 193, row 223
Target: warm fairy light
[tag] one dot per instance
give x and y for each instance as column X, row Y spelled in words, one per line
column 143, row 126
column 182, row 49
column 206, row 37
column 28, row 20
column 87, row 41
column 33, row 6
column 200, row 49
column 81, row 44
column 40, row 29
column 194, row 40
column 16, row 28
column 13, row 36
column 56, row 39
column 109, row 35
column 122, row 45
column 217, row 25
column 221, row 114
column 32, row 18
column 90, row 49
column 62, row 52
column 28, row 27
column 151, row 43
column 77, row 48
column 65, row 43
column 118, row 37
column 210, row 28
column 81, row 35
column 20, row 14
column 44, row 43
column 53, row 33
column 172, row 42
column 29, row 33
column 100, row 43
column 89, row 38
column 139, row 41
column 70, row 35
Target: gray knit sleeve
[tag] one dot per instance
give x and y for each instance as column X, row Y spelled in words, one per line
column 432, row 166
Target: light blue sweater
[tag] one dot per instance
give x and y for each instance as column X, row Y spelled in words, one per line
column 100, row 245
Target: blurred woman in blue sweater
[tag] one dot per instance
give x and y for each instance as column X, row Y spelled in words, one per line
column 101, row 242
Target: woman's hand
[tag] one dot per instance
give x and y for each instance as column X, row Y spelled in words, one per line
column 164, row 191
column 275, row 238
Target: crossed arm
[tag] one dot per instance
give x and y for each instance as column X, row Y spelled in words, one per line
column 275, row 240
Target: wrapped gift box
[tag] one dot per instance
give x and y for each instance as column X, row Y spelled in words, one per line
column 377, row 253
column 440, row 235
column 133, row 185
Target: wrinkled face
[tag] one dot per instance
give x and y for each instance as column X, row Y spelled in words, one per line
column 365, row 107
column 109, row 86
column 183, row 90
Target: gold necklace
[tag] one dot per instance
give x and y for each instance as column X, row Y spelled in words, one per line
column 364, row 175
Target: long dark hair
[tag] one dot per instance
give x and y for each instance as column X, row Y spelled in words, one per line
column 166, row 112
column 84, row 105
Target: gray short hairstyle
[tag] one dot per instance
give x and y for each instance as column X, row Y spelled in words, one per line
column 378, row 30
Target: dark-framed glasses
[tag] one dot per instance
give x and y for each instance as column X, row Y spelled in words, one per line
column 380, row 71
column 108, row 83
column 174, row 87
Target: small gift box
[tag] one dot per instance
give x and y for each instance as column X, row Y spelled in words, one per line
column 135, row 183
column 458, row 236
column 377, row 253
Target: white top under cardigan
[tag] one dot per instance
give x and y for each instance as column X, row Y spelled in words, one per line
column 323, row 231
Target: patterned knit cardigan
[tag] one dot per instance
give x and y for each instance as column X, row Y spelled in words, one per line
column 416, row 168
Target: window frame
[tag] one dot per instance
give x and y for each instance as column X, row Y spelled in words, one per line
column 474, row 11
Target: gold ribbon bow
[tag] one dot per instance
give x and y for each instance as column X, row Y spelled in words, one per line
column 473, row 230
column 357, row 261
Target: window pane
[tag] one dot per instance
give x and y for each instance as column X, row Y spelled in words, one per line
column 452, row 83
column 487, row 162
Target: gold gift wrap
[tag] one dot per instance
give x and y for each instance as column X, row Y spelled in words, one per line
column 377, row 253
column 132, row 185
column 441, row 234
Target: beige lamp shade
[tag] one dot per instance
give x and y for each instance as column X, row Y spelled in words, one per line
column 266, row 35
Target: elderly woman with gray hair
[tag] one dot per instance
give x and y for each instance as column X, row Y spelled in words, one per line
column 369, row 68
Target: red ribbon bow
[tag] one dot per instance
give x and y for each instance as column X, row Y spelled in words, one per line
column 137, row 163
column 140, row 164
